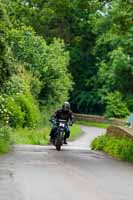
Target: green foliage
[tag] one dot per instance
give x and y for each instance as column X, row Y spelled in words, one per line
column 47, row 17
column 6, row 58
column 114, row 73
column 19, row 111
column 14, row 112
column 28, row 48
column 47, row 63
column 115, row 105
column 5, row 134
column 10, row 112
column 94, row 124
column 35, row 86
column 97, row 34
column 45, row 42
column 39, row 136
column 120, row 148
column 99, row 143
column 31, row 136
column 30, row 109
column 75, row 132
column 129, row 100
column 4, row 115
column 113, row 49
column 55, row 76
column 16, row 85
column 68, row 20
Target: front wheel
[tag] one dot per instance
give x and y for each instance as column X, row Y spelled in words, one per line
column 58, row 147
column 58, row 142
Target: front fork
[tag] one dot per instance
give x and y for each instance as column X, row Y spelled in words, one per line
column 59, row 137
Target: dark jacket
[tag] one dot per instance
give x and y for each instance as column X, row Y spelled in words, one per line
column 64, row 115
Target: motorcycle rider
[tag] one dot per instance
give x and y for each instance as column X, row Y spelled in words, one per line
column 64, row 113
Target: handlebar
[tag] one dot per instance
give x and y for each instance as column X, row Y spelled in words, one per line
column 62, row 121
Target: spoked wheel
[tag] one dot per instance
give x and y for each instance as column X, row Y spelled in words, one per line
column 58, row 147
column 58, row 142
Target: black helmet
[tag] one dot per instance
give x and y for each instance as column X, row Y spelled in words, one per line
column 66, row 106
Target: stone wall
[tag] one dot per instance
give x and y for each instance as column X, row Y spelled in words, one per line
column 120, row 131
column 84, row 117
column 97, row 118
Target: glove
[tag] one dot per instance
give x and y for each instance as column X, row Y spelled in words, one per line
column 53, row 121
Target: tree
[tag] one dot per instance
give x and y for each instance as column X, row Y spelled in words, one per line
column 98, row 36
column 47, row 63
column 6, row 58
column 114, row 48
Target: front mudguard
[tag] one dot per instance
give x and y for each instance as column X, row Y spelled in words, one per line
column 59, row 138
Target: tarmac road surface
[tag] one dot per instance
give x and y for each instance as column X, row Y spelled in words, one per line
column 75, row 173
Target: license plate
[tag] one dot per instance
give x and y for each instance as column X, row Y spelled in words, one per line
column 62, row 125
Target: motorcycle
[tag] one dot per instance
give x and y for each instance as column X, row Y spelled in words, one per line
column 59, row 135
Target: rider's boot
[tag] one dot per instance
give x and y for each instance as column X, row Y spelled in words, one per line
column 65, row 141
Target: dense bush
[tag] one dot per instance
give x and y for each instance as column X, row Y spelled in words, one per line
column 129, row 101
column 5, row 134
column 47, row 63
column 19, row 111
column 14, row 112
column 120, row 148
column 30, row 109
column 10, row 112
column 17, row 84
column 116, row 107
column 6, row 64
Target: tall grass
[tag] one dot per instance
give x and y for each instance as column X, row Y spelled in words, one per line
column 5, row 133
column 31, row 136
column 120, row 148
column 75, row 132
column 39, row 136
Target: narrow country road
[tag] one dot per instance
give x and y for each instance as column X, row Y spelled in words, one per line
column 76, row 173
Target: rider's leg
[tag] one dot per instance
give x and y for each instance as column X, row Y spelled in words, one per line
column 67, row 134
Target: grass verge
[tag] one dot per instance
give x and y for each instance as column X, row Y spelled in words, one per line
column 39, row 136
column 75, row 132
column 4, row 146
column 119, row 148
column 31, row 136
column 95, row 124
column 5, row 140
